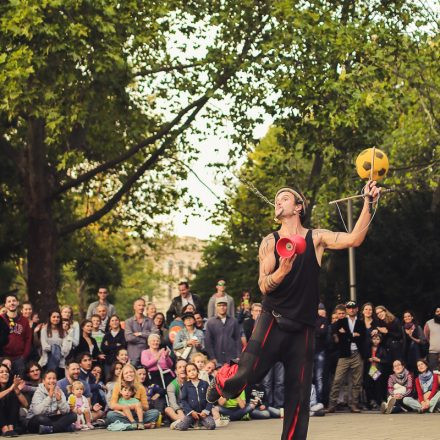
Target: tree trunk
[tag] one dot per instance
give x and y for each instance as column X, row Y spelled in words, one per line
column 42, row 233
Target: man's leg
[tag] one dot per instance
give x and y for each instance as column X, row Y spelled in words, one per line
column 412, row 403
column 297, row 356
column 318, row 373
column 341, row 371
column 356, row 366
column 278, row 385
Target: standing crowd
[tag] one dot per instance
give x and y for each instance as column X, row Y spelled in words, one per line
column 153, row 370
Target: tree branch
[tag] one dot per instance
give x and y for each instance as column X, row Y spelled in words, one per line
column 126, row 187
column 179, row 68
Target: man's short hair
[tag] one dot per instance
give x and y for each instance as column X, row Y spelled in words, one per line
column 81, row 356
column 184, row 283
column 255, row 305
column 341, row 307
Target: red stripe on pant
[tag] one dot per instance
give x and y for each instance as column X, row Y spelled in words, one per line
column 295, row 418
column 263, row 342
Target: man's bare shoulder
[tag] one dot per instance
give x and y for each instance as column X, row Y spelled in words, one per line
column 267, row 244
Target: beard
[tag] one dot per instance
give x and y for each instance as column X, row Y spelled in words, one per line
column 437, row 319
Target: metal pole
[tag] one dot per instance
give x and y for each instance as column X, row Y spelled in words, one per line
column 351, row 257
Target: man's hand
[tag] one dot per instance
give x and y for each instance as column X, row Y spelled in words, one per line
column 202, row 415
column 341, row 330
column 371, row 190
column 356, row 334
column 194, row 415
column 286, row 264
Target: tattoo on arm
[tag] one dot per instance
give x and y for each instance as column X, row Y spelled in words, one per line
column 266, row 282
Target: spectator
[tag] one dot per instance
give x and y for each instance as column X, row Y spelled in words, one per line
column 97, row 397
column 370, row 320
column 131, row 405
column 400, row 385
column 157, row 361
column 415, row 343
column 122, row 356
column 98, row 374
column 128, row 377
column 427, row 386
column 160, row 329
column 113, row 340
column 376, row 366
column 260, row 409
column 67, row 313
column 26, row 312
column 18, row 346
column 273, row 384
column 432, row 333
column 155, row 393
column 221, row 294
column 189, row 340
column 102, row 299
column 244, row 310
column 200, row 321
column 201, row 360
column 316, row 407
column 87, row 343
column 73, row 371
column 249, row 323
column 150, row 310
column 137, row 330
column 321, row 333
column 97, row 334
column 55, row 344
column 49, row 411
column 349, row 333
column 32, row 380
column 102, row 312
column 235, row 409
column 185, row 297
column 112, row 378
column 11, row 398
column 194, row 403
column 174, row 409
column 222, row 337
column 79, row 405
column 392, row 335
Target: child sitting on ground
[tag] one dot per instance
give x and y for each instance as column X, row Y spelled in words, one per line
column 80, row 406
column 201, row 360
column 129, row 404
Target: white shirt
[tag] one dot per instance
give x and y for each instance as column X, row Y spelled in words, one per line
column 351, row 324
column 187, row 300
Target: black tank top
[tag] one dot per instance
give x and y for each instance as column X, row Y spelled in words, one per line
column 297, row 296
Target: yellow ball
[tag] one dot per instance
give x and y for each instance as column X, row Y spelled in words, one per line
column 364, row 160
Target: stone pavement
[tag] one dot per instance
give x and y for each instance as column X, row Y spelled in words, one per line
column 342, row 426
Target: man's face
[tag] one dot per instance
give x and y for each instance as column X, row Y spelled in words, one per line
column 322, row 313
column 86, row 363
column 11, row 303
column 255, row 312
column 341, row 314
column 285, row 205
column 199, row 319
column 73, row 371
column 96, row 322
column 183, row 290
column 437, row 311
column 221, row 286
column 101, row 311
column 181, row 368
column 102, row 294
column 222, row 309
column 139, row 307
column 26, row 311
column 352, row 311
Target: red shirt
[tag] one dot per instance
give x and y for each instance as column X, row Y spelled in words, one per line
column 19, row 339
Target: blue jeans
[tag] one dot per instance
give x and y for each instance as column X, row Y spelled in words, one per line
column 318, row 373
column 236, row 413
column 273, row 384
column 150, row 415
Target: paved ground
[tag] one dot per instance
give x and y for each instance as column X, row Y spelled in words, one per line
column 331, row 427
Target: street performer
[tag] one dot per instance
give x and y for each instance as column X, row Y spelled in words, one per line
column 285, row 330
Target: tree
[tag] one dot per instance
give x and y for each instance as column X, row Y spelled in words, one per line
column 96, row 98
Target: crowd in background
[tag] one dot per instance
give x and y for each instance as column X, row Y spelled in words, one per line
column 153, row 369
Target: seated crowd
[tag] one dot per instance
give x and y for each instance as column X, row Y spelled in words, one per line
column 153, row 369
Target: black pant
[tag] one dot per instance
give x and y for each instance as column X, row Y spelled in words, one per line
column 268, row 345
column 59, row 422
column 9, row 409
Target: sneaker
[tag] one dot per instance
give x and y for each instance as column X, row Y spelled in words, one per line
column 331, row 409
column 320, row 413
column 281, row 413
column 173, row 424
column 212, row 395
column 44, row 429
column 84, row 428
column 383, row 407
column 221, row 423
column 390, row 404
column 355, row 409
column 140, row 426
column 90, row 426
column 246, row 417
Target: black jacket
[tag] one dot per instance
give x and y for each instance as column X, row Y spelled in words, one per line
column 175, row 308
column 346, row 338
column 321, row 332
column 111, row 344
column 4, row 334
column 382, row 354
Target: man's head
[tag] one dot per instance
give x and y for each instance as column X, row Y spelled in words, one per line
column 11, row 303
column 96, row 322
column 437, row 315
column 85, row 361
column 289, row 203
column 221, row 286
column 183, row 287
column 180, row 368
column 199, row 320
column 101, row 311
column 102, row 294
column 340, row 311
column 321, row 310
column 73, row 370
column 221, row 307
column 256, row 311
column 351, row 308
column 139, row 306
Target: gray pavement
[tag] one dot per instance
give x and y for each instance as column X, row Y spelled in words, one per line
column 342, row 426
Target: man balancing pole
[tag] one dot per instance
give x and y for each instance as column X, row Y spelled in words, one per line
column 285, row 330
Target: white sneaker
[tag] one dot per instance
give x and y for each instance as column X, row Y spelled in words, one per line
column 220, row 423
column 390, row 405
column 173, row 425
column 281, row 413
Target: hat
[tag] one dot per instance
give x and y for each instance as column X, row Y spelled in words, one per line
column 321, row 306
column 187, row 315
column 221, row 300
column 351, row 304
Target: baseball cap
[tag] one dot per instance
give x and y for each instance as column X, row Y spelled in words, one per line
column 222, row 300
column 351, row 304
